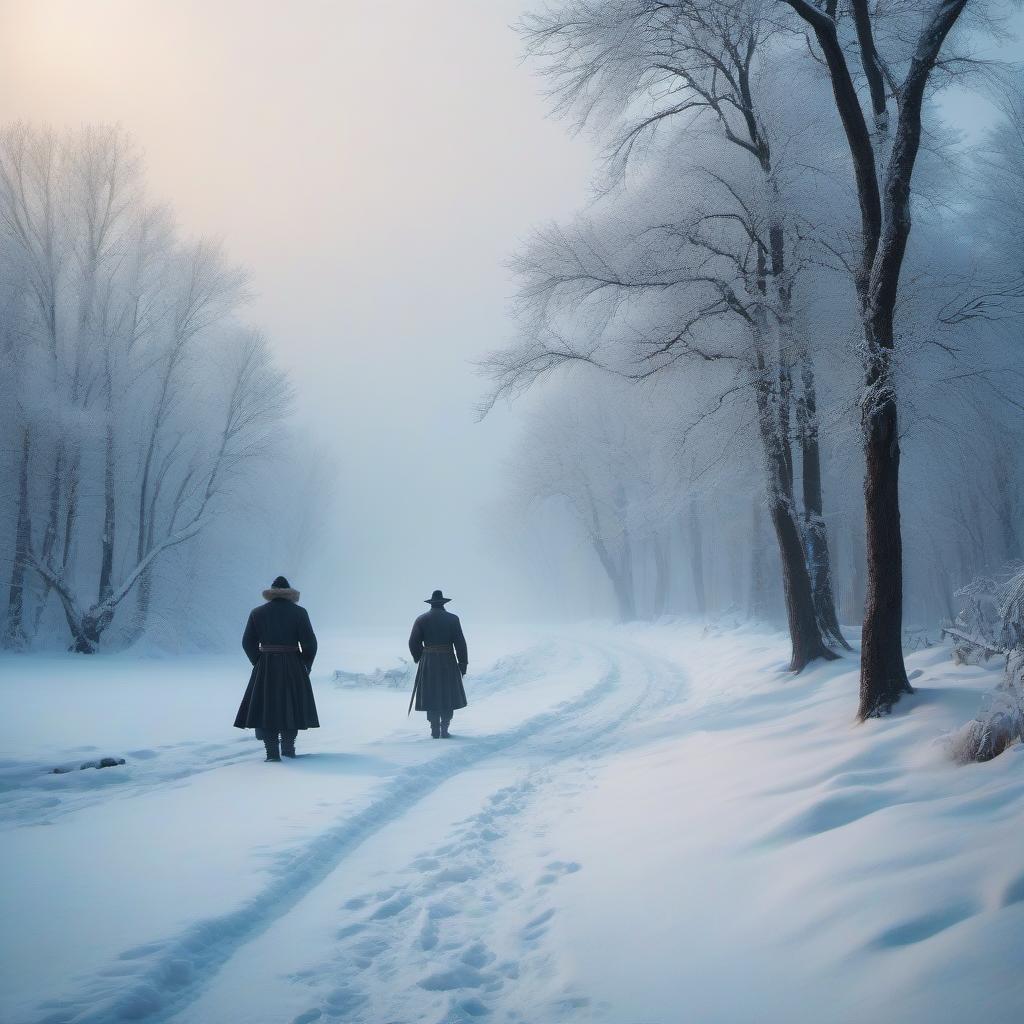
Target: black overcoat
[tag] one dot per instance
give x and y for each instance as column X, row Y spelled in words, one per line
column 279, row 697
column 440, row 670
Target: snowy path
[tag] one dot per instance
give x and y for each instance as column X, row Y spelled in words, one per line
column 163, row 978
column 646, row 825
column 423, row 942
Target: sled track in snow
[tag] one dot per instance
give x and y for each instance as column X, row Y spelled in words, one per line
column 172, row 974
column 418, row 931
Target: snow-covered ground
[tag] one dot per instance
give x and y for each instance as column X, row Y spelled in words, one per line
column 643, row 825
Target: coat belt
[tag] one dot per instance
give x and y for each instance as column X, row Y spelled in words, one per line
column 279, row 648
column 438, row 648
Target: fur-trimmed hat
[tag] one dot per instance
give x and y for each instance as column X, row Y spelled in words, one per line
column 280, row 589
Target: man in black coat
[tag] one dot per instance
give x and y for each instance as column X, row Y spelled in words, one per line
column 439, row 650
column 281, row 645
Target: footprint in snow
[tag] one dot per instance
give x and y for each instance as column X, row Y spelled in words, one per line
column 371, row 946
column 571, row 1003
column 365, row 953
column 535, row 928
column 510, row 968
column 428, row 935
column 391, row 907
column 456, row 873
column 443, row 908
column 556, row 869
column 477, row 955
column 462, row 976
column 343, row 999
column 471, row 1007
column 566, row 867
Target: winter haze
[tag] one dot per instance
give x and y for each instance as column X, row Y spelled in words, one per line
column 680, row 343
column 372, row 166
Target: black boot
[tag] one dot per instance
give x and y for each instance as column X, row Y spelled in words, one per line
column 445, row 722
column 270, row 741
column 435, row 726
column 288, row 743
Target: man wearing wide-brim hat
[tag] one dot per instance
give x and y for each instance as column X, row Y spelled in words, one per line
column 439, row 649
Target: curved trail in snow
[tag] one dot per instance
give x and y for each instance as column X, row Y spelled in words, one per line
column 462, row 936
column 163, row 980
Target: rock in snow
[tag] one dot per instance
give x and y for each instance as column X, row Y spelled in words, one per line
column 103, row 762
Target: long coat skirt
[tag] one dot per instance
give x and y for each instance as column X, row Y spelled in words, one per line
column 279, row 697
column 439, row 648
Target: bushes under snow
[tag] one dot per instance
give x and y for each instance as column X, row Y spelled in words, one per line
column 992, row 623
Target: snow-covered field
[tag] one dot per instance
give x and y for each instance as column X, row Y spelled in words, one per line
column 643, row 825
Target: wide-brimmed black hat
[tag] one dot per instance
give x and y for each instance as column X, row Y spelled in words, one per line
column 437, row 598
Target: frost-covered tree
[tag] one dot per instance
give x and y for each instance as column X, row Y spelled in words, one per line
column 730, row 245
column 137, row 408
column 676, row 277
column 618, row 462
column 895, row 56
column 693, row 78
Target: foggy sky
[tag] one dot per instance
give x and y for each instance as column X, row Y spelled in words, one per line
column 373, row 166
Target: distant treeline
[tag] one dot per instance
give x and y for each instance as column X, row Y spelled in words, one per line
column 139, row 416
column 791, row 274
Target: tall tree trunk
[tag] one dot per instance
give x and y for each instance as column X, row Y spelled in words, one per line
column 86, row 634
column 885, row 217
column 71, row 512
column 758, row 605
column 858, row 557
column 1013, row 551
column 622, row 585
column 800, row 614
column 883, row 676
column 106, row 587
column 15, row 637
column 625, row 577
column 50, row 533
column 140, row 615
column 697, row 561
column 819, row 559
column 941, row 583
column 661, row 573
column 85, row 628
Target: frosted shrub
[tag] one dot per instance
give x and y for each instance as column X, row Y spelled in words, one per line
column 390, row 678
column 1000, row 723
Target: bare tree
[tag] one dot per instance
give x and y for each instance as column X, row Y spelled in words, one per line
column 883, row 165
column 203, row 291
column 257, row 397
column 563, row 463
column 651, row 65
column 33, row 205
column 121, row 347
column 646, row 293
